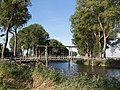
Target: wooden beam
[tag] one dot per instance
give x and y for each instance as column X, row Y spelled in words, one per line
column 46, row 55
column 57, row 46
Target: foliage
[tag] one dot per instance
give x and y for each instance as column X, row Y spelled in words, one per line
column 57, row 48
column 73, row 53
column 47, row 73
column 89, row 83
column 13, row 13
column 96, row 49
column 32, row 36
column 15, row 76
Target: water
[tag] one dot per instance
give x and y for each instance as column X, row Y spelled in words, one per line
column 73, row 69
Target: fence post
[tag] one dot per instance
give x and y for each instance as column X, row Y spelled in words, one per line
column 69, row 54
column 46, row 56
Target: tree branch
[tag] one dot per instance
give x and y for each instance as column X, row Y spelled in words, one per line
column 101, row 26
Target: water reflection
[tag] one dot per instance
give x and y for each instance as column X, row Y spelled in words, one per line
column 72, row 69
column 114, row 73
column 91, row 70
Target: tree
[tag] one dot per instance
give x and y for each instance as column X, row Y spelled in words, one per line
column 21, row 19
column 84, row 35
column 32, row 36
column 73, row 53
column 101, row 17
column 57, row 48
column 11, row 16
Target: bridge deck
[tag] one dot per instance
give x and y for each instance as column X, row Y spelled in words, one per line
column 59, row 58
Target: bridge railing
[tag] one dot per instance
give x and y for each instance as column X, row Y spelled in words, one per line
column 43, row 58
column 31, row 58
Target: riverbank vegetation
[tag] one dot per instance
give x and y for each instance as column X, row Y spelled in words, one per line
column 104, row 63
column 37, row 76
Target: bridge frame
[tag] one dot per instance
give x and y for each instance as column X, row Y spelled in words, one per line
column 70, row 54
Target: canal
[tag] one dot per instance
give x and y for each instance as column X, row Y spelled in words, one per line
column 73, row 69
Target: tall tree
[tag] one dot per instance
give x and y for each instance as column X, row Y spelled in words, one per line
column 11, row 15
column 101, row 17
column 24, row 16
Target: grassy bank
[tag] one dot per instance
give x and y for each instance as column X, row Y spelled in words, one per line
column 39, row 77
column 104, row 63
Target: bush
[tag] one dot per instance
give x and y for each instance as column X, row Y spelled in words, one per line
column 89, row 83
column 14, row 75
column 47, row 73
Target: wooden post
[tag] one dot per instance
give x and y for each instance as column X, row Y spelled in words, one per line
column 69, row 53
column 36, row 51
column 46, row 56
column 39, row 53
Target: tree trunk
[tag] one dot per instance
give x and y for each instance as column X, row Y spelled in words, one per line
column 5, row 43
column 15, row 43
column 87, row 53
column 33, row 51
column 99, row 45
column 104, row 47
column 105, row 37
column 27, row 52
